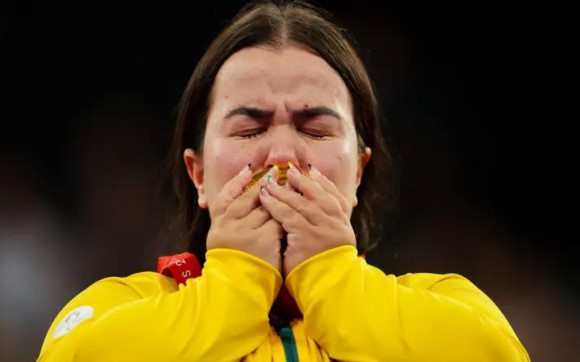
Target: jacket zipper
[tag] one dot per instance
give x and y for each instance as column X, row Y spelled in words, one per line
column 289, row 344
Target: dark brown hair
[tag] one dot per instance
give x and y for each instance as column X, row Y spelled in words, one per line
column 277, row 24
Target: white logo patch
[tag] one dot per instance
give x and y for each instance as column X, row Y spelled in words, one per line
column 71, row 320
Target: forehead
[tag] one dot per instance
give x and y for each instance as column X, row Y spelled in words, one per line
column 259, row 72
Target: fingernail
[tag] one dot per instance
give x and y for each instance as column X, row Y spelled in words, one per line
column 246, row 168
column 293, row 168
column 262, row 189
column 271, row 183
column 310, row 166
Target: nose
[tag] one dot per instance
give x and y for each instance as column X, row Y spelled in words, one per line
column 284, row 146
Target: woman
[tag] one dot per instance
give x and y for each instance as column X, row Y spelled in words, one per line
column 277, row 153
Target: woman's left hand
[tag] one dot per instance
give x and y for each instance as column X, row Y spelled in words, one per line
column 317, row 218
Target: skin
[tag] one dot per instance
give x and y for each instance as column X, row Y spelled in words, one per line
column 279, row 106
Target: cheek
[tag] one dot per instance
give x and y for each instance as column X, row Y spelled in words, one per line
column 223, row 159
column 339, row 164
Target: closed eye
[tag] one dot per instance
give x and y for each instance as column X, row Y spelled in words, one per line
column 314, row 134
column 250, row 133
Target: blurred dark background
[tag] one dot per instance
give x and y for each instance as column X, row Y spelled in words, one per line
column 480, row 102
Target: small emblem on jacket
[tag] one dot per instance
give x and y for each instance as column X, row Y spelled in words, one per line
column 72, row 319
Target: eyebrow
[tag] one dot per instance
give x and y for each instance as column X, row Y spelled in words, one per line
column 250, row 112
column 263, row 113
column 317, row 111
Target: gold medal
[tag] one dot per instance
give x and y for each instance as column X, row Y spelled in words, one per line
column 280, row 171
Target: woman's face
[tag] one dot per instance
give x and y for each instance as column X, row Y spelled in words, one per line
column 274, row 106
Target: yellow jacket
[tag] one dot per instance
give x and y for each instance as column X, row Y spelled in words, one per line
column 352, row 312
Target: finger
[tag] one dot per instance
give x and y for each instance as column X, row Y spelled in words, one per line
column 312, row 190
column 272, row 229
column 258, row 217
column 273, row 226
column 328, row 186
column 248, row 200
column 303, row 184
column 278, row 200
column 232, row 189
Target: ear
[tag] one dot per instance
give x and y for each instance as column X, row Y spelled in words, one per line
column 364, row 158
column 194, row 166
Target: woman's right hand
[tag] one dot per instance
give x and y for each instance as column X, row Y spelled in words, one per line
column 239, row 221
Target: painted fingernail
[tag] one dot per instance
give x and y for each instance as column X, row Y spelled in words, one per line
column 246, row 168
column 271, row 183
column 293, row 169
column 269, row 179
column 262, row 189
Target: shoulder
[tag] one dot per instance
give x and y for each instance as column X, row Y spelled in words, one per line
column 432, row 280
column 458, row 288
column 103, row 295
column 143, row 284
column 134, row 286
column 451, row 284
column 111, row 291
